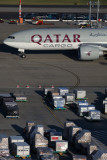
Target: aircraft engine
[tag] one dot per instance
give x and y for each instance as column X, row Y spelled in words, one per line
column 89, row 52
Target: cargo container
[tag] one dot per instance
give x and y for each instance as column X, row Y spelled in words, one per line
column 82, row 110
column 80, row 94
column 63, row 90
column 54, row 136
column 67, row 125
column 4, row 152
column 82, row 103
column 69, row 98
column 61, row 146
column 100, row 155
column 73, row 131
column 46, row 90
column 20, row 96
column 105, row 108
column 13, row 139
column 83, row 137
column 90, row 107
column 21, row 149
column 58, row 103
column 91, row 149
column 95, row 115
column 43, row 151
column 4, row 141
column 38, row 140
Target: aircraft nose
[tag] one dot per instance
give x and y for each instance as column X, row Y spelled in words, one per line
column 6, row 41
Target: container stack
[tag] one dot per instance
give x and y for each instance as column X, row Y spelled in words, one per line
column 4, row 148
column 82, row 110
column 44, row 151
column 40, row 129
column 21, row 149
column 100, row 155
column 29, row 128
column 82, row 139
column 73, row 131
column 63, row 90
column 67, row 125
column 69, row 98
column 80, row 94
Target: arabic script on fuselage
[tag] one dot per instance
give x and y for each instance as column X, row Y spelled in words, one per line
column 98, row 34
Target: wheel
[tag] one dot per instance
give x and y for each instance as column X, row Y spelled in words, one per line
column 23, row 56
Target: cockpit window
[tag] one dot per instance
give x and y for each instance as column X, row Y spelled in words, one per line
column 12, row 37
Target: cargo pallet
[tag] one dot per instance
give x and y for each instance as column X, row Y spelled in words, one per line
column 21, row 100
column 59, row 108
column 23, row 157
column 12, row 117
column 81, row 98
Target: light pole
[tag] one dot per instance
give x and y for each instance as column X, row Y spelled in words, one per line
column 98, row 6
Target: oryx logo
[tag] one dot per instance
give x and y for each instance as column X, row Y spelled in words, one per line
column 89, row 53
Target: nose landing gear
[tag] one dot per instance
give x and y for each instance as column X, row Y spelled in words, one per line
column 21, row 53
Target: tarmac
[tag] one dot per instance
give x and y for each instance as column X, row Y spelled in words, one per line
column 47, row 68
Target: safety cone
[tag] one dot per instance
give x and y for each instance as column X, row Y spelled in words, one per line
column 18, row 86
column 27, row 86
column 40, row 86
column 52, row 86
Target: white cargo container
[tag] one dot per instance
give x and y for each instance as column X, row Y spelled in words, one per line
column 90, row 107
column 45, row 90
column 100, row 155
column 61, row 146
column 82, row 110
column 105, row 108
column 95, row 115
column 73, row 131
column 69, row 98
column 59, row 102
column 43, row 151
column 3, row 141
column 21, row 149
column 82, row 103
column 57, row 97
column 80, row 94
column 13, row 139
column 104, row 101
column 63, row 90
column 67, row 125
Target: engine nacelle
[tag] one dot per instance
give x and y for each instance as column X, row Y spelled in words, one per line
column 88, row 52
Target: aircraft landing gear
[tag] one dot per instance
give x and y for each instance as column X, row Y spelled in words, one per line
column 21, row 54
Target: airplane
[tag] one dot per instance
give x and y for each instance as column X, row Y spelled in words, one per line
column 91, row 43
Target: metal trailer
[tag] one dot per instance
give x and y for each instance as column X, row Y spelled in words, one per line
column 21, row 149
